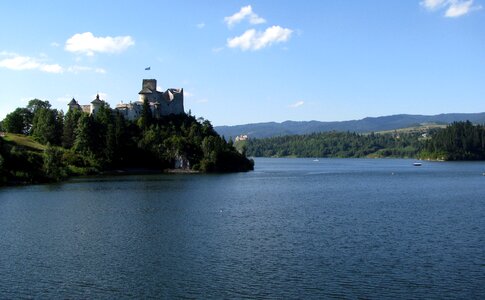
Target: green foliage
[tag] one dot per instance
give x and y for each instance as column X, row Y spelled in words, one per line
column 18, row 121
column 69, row 129
column 183, row 138
column 105, row 141
column 21, row 166
column 336, row 144
column 146, row 118
column 35, row 104
column 84, row 141
column 458, row 141
column 53, row 166
column 24, row 141
column 47, row 125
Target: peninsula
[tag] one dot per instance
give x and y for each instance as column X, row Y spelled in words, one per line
column 41, row 144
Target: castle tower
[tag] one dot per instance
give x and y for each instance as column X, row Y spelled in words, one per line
column 95, row 104
column 148, row 90
column 73, row 105
column 150, row 84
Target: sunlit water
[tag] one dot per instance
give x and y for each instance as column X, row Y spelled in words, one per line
column 293, row 228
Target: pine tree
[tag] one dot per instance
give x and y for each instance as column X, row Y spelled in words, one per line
column 146, row 118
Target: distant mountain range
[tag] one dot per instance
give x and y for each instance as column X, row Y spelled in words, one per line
column 269, row 129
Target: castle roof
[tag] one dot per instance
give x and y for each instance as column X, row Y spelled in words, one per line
column 73, row 102
column 97, row 100
column 145, row 90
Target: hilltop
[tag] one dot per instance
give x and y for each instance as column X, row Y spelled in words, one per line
column 370, row 124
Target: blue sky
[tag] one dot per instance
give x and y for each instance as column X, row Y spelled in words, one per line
column 250, row 61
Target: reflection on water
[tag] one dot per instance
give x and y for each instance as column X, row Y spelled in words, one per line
column 293, row 228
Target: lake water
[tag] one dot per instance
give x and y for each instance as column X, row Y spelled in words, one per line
column 293, row 228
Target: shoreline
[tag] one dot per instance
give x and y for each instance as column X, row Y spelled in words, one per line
column 142, row 171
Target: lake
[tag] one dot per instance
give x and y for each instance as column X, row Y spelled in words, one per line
column 293, row 228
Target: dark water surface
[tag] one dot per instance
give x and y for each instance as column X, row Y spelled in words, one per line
column 293, row 228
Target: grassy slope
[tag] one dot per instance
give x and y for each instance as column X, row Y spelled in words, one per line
column 24, row 141
column 415, row 129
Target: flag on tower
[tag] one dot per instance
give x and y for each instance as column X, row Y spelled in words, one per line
column 147, row 69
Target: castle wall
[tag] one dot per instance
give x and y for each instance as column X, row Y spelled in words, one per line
column 153, row 97
column 175, row 106
column 161, row 103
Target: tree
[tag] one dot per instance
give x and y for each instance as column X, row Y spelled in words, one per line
column 47, row 126
column 146, row 118
column 69, row 130
column 53, row 166
column 35, row 104
column 17, row 121
column 33, row 107
column 458, row 141
column 83, row 142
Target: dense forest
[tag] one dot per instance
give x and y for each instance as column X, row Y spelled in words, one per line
column 78, row 143
column 458, row 141
column 336, row 144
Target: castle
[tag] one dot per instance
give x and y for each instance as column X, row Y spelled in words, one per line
column 161, row 103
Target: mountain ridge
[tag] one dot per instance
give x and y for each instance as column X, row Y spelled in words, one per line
column 368, row 124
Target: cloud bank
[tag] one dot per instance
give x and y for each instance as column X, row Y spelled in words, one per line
column 88, row 44
column 453, row 8
column 17, row 62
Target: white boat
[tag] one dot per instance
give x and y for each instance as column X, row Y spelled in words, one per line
column 417, row 164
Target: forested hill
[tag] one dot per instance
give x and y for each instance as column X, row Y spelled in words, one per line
column 41, row 144
column 458, row 141
column 270, row 129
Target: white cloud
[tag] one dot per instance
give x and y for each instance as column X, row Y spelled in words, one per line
column 297, row 104
column 88, row 44
column 433, row 4
column 78, row 69
column 454, row 8
column 14, row 61
column 55, row 68
column 245, row 12
column 20, row 63
column 200, row 25
column 460, row 8
column 256, row 40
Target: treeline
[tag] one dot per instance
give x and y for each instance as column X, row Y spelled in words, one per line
column 336, row 144
column 80, row 143
column 458, row 141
